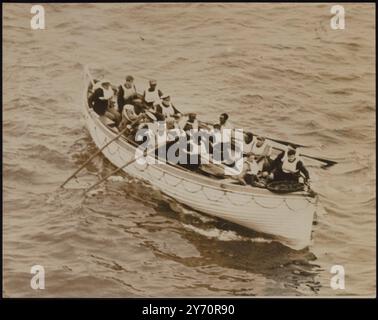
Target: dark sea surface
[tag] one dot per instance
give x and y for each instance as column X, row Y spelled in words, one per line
column 276, row 68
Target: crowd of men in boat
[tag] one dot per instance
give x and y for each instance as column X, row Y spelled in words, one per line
column 217, row 150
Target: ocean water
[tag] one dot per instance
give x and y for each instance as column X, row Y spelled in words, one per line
column 276, row 68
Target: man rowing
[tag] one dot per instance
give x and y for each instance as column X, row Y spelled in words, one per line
column 248, row 142
column 262, row 149
column 227, row 137
column 288, row 166
column 251, row 172
column 129, row 114
column 198, row 157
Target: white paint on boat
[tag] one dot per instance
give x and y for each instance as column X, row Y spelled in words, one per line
column 287, row 217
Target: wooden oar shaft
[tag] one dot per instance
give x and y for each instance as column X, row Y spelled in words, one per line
column 119, row 169
column 295, row 145
column 287, row 143
column 328, row 162
column 98, row 152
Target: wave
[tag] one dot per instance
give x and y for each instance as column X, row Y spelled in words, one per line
column 44, row 153
column 224, row 235
column 13, row 172
column 364, row 107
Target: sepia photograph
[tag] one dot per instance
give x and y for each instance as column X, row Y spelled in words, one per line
column 189, row 150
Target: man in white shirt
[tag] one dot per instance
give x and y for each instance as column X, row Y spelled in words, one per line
column 152, row 95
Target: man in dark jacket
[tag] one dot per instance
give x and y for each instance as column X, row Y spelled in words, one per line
column 101, row 101
column 288, row 166
column 98, row 105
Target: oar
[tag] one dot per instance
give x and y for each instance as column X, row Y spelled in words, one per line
column 286, row 143
column 99, row 151
column 328, row 163
column 120, row 168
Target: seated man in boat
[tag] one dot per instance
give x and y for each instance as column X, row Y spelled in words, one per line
column 101, row 101
column 224, row 122
column 213, row 160
column 168, row 134
column 152, row 95
column 192, row 153
column 214, row 136
column 288, row 166
column 148, row 124
column 219, row 149
column 248, row 143
column 251, row 174
column 130, row 113
column 226, row 129
column 127, row 94
column 262, row 149
column 101, row 110
column 167, row 109
column 98, row 100
column 191, row 123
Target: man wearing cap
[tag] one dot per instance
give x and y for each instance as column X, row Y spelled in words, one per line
column 127, row 94
column 151, row 96
column 167, row 109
